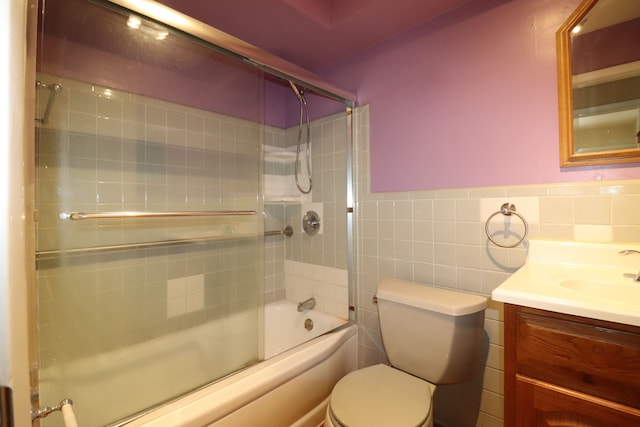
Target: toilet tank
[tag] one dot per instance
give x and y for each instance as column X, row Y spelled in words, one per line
column 433, row 333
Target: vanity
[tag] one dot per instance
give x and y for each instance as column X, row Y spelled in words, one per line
column 572, row 336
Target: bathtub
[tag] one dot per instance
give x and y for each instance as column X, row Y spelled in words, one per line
column 285, row 326
column 288, row 388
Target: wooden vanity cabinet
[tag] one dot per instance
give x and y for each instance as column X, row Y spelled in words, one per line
column 569, row 371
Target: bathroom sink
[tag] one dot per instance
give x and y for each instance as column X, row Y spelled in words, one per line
column 622, row 293
column 584, row 279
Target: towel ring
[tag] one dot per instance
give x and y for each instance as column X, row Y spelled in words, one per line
column 507, row 210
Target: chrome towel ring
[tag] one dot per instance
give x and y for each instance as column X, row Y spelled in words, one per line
column 507, row 209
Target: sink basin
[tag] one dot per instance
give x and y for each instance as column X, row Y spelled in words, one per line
column 584, row 279
column 613, row 292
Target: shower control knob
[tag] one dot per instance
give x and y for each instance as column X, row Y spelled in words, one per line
column 311, row 223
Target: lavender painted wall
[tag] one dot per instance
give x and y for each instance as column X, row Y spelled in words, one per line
column 468, row 100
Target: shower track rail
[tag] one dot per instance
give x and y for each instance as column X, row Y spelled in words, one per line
column 54, row 88
column 287, row 231
column 77, row 216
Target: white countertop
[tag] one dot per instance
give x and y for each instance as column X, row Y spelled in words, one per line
column 583, row 279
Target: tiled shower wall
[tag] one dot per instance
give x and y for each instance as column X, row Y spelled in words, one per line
column 438, row 238
column 106, row 150
column 312, row 265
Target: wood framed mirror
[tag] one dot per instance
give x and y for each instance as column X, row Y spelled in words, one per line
column 599, row 84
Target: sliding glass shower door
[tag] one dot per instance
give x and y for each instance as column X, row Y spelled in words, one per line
column 149, row 226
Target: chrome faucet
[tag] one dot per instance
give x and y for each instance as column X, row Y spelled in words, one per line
column 307, row 304
column 631, row 251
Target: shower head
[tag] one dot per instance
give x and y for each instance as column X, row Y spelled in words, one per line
column 304, row 112
column 297, row 91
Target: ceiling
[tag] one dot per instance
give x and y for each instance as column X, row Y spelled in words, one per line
column 314, row 33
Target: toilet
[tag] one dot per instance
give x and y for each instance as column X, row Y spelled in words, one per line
column 431, row 336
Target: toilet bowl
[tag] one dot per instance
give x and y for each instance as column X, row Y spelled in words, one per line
column 431, row 336
column 380, row 395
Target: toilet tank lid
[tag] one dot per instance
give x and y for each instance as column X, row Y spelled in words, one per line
column 426, row 297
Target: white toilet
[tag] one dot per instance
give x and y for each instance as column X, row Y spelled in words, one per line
column 431, row 336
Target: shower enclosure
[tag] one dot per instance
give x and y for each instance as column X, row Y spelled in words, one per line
column 165, row 168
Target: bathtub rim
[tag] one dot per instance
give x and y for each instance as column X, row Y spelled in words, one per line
column 289, row 308
column 170, row 410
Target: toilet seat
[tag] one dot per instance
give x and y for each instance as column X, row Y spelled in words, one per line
column 380, row 396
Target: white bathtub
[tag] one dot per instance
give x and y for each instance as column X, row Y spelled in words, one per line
column 285, row 326
column 289, row 389
column 289, row 386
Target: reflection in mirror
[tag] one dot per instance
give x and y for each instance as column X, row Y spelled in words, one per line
column 599, row 83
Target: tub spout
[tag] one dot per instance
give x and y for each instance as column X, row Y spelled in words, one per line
column 307, row 304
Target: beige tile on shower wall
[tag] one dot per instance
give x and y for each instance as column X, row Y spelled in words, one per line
column 403, row 250
column 556, row 231
column 423, row 210
column 368, row 210
column 556, row 210
column 403, row 210
column 493, row 380
column 423, row 231
column 423, row 272
column 155, row 115
column 176, row 119
column 81, row 99
column 625, row 209
column 194, row 123
column 196, row 140
column 83, row 123
column 445, row 253
column 469, row 233
column 469, row 256
column 212, row 127
column 444, row 231
column 573, row 189
column 386, row 210
column 109, row 108
column 368, row 228
column 445, row 276
column 469, row 280
column 620, row 187
column 133, row 130
column 592, row 210
column 386, row 229
column 444, row 209
column 492, row 403
column 592, row 233
column 626, row 233
column 423, row 252
column 468, row 210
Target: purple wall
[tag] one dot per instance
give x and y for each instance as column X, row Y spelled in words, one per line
column 468, row 100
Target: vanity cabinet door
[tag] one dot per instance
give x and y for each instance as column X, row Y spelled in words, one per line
column 568, row 371
column 539, row 404
column 600, row 360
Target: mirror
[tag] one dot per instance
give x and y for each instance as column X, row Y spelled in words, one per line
column 599, row 84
